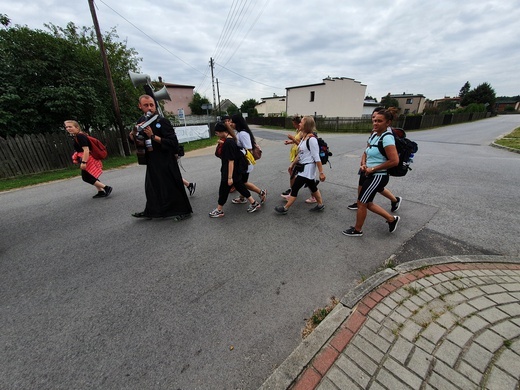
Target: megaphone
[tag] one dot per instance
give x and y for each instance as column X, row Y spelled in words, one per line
column 139, row 79
column 162, row 94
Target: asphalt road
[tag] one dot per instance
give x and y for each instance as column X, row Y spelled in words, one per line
column 91, row 298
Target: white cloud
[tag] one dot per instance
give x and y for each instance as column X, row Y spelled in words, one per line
column 409, row 46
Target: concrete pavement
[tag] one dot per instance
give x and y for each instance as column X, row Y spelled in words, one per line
column 438, row 323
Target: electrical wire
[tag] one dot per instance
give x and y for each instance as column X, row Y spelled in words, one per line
column 148, row 36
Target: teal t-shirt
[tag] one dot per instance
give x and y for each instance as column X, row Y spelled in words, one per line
column 374, row 157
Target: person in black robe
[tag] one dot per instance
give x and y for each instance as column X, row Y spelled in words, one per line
column 165, row 192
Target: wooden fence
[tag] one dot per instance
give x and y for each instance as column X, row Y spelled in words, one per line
column 35, row 153
column 363, row 125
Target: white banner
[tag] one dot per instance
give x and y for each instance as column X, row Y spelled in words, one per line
column 192, row 133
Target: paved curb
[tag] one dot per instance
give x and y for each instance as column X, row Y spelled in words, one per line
column 505, row 147
column 310, row 361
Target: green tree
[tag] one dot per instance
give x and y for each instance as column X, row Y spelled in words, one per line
column 464, row 90
column 389, row 101
column 196, row 104
column 249, row 107
column 4, row 20
column 473, row 107
column 482, row 94
column 47, row 77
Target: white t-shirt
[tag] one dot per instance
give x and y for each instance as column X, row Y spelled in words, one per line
column 308, row 157
column 244, row 142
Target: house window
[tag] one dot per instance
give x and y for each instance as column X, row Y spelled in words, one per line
column 409, row 101
column 312, row 96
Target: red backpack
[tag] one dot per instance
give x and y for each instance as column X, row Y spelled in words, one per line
column 97, row 149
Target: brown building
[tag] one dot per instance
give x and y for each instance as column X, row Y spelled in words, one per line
column 410, row 103
column 181, row 96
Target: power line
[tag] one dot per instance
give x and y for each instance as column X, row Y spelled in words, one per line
column 148, row 36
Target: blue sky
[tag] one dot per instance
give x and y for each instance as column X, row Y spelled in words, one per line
column 262, row 47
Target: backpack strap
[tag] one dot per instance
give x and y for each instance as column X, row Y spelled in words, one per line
column 307, row 142
column 380, row 145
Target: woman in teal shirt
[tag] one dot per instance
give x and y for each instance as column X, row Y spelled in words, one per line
column 373, row 168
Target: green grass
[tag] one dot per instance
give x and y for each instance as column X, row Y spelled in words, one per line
column 67, row 173
column 512, row 140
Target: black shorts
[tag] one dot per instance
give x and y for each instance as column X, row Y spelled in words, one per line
column 370, row 186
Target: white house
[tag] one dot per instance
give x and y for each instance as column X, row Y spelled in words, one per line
column 272, row 106
column 368, row 107
column 334, row 97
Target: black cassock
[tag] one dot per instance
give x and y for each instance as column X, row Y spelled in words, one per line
column 165, row 192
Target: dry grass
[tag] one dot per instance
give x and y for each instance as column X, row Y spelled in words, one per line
column 318, row 316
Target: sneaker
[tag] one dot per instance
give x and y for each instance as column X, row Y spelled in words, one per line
column 108, row 190
column 352, row 232
column 312, row 199
column 216, row 213
column 252, row 208
column 280, row 210
column 352, row 206
column 286, row 197
column 191, row 188
column 396, row 205
column 392, row 225
column 263, row 196
column 141, row 214
column 182, row 217
column 286, row 192
column 239, row 200
column 318, row 208
column 100, row 194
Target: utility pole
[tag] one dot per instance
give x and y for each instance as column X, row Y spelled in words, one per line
column 211, row 64
column 218, row 97
column 115, row 103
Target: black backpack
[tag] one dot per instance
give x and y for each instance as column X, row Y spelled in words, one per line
column 405, row 149
column 324, row 150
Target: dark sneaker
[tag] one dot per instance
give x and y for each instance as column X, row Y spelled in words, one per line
column 352, row 232
column 286, row 192
column 108, row 190
column 191, row 188
column 280, row 210
column 216, row 213
column 396, row 205
column 100, row 194
column 263, row 196
column 318, row 208
column 392, row 225
column 181, row 217
column 140, row 215
column 252, row 208
column 353, row 206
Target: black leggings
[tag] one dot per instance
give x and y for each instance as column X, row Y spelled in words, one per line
column 223, row 191
column 300, row 181
column 88, row 178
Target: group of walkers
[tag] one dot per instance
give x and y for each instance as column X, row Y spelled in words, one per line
column 165, row 188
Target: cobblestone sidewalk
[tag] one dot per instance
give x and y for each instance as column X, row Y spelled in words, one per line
column 441, row 323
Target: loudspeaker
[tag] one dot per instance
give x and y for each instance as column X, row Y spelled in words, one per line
column 162, row 94
column 139, row 79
